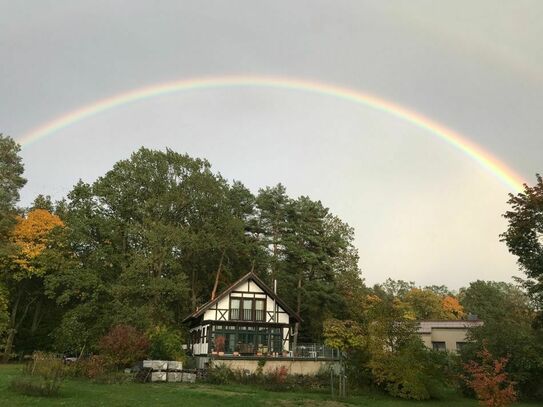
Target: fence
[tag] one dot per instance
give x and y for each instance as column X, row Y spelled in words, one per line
column 314, row 351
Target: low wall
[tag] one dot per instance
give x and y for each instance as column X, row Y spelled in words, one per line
column 294, row 366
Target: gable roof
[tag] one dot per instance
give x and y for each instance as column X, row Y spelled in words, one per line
column 249, row 276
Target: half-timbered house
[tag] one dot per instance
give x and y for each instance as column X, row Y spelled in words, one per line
column 246, row 319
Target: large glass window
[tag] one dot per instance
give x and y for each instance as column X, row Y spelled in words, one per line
column 247, row 310
column 248, row 339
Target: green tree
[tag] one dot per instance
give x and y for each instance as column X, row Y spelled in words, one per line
column 524, row 235
column 11, row 181
column 149, row 239
column 272, row 205
column 397, row 359
column 508, row 315
column 311, row 253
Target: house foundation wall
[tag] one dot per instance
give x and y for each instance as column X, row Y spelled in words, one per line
column 297, row 367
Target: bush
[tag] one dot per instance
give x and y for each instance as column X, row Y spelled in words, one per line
column 88, row 368
column 412, row 372
column 124, row 345
column 165, row 344
column 489, row 380
column 42, row 376
column 220, row 374
column 275, row 380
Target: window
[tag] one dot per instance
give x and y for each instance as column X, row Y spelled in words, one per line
column 439, row 346
column 460, row 345
column 248, row 340
column 247, row 309
column 234, row 308
column 259, row 310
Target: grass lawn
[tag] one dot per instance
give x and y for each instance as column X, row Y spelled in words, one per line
column 84, row 393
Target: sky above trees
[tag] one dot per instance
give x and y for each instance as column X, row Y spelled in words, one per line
column 421, row 210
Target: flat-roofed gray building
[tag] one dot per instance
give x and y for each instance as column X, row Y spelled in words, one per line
column 448, row 335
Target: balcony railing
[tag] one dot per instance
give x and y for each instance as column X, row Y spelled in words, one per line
column 310, row 351
column 234, row 313
column 259, row 315
column 247, row 314
column 314, row 351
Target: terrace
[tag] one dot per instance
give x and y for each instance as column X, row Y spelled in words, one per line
column 303, row 351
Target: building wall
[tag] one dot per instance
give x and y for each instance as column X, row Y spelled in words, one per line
column 224, row 303
column 302, row 367
column 448, row 335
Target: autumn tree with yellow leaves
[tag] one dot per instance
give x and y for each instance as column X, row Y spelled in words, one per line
column 24, row 270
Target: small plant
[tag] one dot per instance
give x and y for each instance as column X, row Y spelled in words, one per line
column 279, row 375
column 489, row 380
column 260, row 367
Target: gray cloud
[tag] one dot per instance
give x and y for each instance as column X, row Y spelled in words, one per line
column 422, row 210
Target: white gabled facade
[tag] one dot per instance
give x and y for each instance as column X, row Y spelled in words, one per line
column 246, row 319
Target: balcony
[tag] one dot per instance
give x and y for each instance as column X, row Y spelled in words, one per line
column 303, row 351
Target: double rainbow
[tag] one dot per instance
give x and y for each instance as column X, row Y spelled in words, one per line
column 485, row 159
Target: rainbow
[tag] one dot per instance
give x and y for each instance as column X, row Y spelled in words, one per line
column 484, row 158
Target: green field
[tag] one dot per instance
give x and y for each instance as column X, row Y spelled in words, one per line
column 84, row 393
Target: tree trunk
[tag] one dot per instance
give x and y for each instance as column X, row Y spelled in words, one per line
column 14, row 324
column 298, row 307
column 193, row 288
column 36, row 319
column 11, row 330
column 214, row 292
column 9, row 344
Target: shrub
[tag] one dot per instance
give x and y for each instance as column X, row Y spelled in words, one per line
column 89, row 368
column 47, row 365
column 42, row 376
column 489, row 380
column 279, row 375
column 411, row 372
column 220, row 374
column 124, row 345
column 165, row 344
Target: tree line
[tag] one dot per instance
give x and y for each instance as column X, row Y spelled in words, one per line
column 143, row 245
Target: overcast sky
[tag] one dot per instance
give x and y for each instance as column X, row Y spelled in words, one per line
column 422, row 210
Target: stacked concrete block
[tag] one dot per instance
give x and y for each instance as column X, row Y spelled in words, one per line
column 159, row 376
column 174, row 366
column 170, row 371
column 189, row 377
column 156, row 364
column 175, row 377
